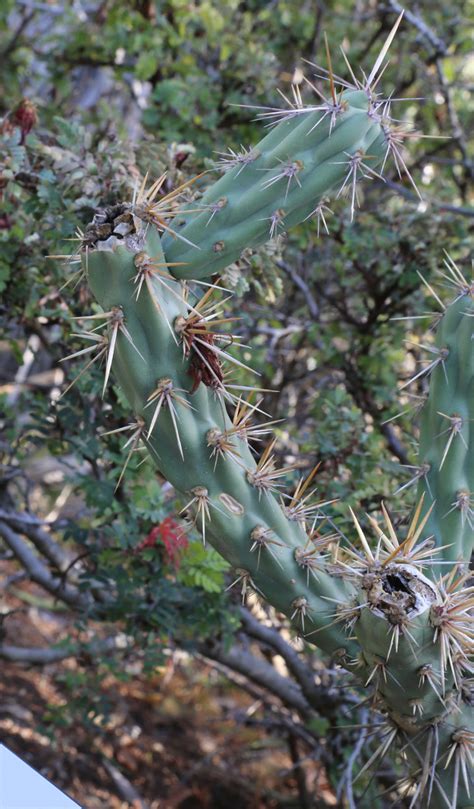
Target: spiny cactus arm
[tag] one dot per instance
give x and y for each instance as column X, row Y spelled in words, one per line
column 421, row 667
column 375, row 610
column 434, row 727
column 421, row 680
column 279, row 183
column 312, row 151
column 416, row 643
column 446, row 454
column 233, row 504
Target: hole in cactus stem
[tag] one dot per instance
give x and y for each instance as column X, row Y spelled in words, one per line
column 396, row 583
column 111, row 227
column 398, row 592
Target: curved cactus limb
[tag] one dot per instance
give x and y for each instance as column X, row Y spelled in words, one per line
column 227, row 491
column 312, row 151
column 400, row 631
column 416, row 641
column 279, row 183
column 397, row 615
column 446, row 452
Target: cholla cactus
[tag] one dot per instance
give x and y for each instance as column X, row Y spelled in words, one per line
column 311, row 152
column 396, row 612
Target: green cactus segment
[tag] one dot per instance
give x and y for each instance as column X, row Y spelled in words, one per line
column 248, row 527
column 398, row 644
column 420, row 666
column 277, row 184
column 447, row 436
column 422, row 700
column 378, row 612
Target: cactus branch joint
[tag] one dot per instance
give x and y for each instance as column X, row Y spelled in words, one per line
column 394, row 611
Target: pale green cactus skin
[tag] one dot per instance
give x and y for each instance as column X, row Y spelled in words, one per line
column 276, row 573
column 446, row 446
column 237, row 508
column 320, row 149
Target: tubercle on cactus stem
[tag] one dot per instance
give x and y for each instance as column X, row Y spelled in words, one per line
column 202, row 505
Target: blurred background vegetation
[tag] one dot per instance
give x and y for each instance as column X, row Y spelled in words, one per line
column 168, row 693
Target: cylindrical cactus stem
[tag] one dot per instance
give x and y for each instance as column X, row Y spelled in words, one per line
column 431, row 703
column 281, row 181
column 422, row 718
column 446, row 454
column 427, row 599
column 160, row 351
column 415, row 639
column 408, row 635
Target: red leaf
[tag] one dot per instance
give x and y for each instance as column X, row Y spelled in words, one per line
column 171, row 536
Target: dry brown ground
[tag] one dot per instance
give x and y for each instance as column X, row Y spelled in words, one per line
column 181, row 738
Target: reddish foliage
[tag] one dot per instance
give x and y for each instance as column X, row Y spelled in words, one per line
column 204, row 367
column 25, row 117
column 171, row 536
column 179, row 158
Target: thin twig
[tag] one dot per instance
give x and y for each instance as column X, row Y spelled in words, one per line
column 260, row 672
column 13, row 43
column 323, row 700
column 458, row 210
column 302, row 285
column 346, row 780
column 40, row 574
column 126, row 790
column 439, row 46
column 44, row 656
column 30, row 526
